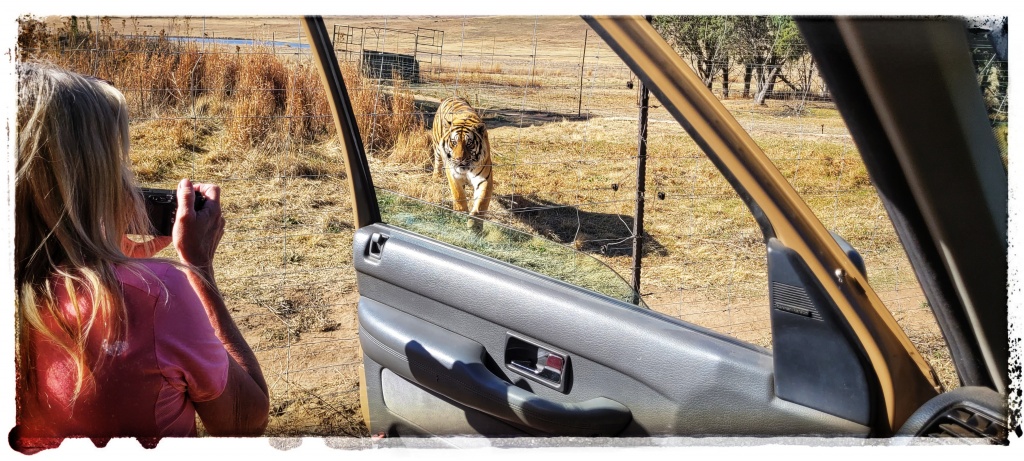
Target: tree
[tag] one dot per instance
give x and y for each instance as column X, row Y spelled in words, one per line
column 704, row 40
column 765, row 44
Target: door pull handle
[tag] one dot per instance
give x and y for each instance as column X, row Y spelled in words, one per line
column 538, row 363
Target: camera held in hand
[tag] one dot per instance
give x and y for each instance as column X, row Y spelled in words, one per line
column 162, row 206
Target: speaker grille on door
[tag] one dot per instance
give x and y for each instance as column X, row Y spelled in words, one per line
column 793, row 299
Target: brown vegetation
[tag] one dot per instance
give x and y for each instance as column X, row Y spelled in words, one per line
column 262, row 94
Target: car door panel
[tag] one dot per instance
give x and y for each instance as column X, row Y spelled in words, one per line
column 629, row 371
column 454, row 366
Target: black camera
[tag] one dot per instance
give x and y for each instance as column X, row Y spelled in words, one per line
column 162, row 206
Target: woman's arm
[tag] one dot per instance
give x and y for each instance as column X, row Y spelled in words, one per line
column 145, row 249
column 244, row 406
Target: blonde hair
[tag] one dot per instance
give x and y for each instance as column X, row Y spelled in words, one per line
column 75, row 200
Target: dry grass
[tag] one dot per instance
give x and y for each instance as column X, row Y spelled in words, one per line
column 260, row 127
column 260, row 99
column 385, row 112
column 221, row 74
column 488, row 74
column 411, row 148
column 307, row 106
column 259, row 95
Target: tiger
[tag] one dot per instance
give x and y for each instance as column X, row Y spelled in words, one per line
column 459, row 139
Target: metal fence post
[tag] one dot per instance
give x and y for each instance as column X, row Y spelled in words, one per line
column 583, row 62
column 641, row 179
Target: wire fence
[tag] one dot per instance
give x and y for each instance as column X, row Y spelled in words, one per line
column 248, row 113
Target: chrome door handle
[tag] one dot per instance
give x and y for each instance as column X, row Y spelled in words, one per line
column 539, row 363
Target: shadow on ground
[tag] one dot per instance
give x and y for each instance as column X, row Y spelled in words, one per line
column 496, row 118
column 603, row 233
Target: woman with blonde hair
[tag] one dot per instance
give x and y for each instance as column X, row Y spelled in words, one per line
column 113, row 343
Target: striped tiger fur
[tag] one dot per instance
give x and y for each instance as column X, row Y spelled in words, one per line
column 460, row 143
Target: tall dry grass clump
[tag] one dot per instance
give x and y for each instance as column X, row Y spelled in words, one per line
column 167, row 75
column 384, row 110
column 412, row 148
column 153, row 72
column 188, row 74
column 399, row 115
column 260, row 99
column 221, row 75
column 308, row 112
column 408, row 138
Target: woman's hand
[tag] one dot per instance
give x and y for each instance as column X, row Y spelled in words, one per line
column 196, row 234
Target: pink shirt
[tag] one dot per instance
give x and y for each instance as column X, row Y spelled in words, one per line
column 147, row 384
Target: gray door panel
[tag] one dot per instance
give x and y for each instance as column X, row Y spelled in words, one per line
column 455, row 366
column 436, row 322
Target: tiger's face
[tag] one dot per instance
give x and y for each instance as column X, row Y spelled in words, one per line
column 463, row 146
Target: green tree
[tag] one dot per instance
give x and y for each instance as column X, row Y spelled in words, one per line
column 764, row 44
column 704, row 40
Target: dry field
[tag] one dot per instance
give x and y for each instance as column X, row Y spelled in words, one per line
column 253, row 119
